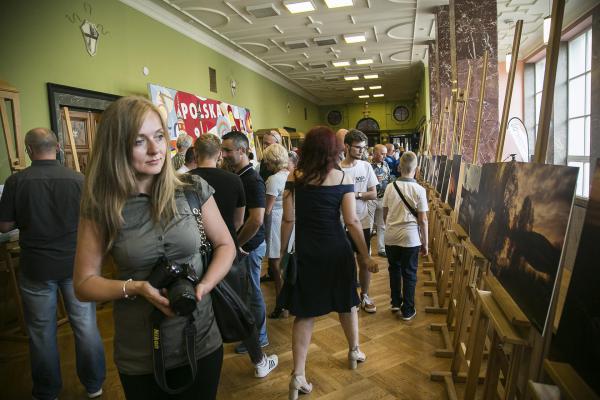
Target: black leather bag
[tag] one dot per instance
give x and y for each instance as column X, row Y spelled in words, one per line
column 284, row 300
column 234, row 320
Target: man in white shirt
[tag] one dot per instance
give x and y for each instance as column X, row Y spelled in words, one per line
column 405, row 214
column 365, row 183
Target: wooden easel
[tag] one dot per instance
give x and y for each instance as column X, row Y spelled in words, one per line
column 569, row 385
column 468, row 278
column 465, row 101
column 496, row 309
column 71, row 139
column 484, row 69
column 455, row 265
column 434, row 220
column 445, row 245
column 12, row 127
column 9, row 259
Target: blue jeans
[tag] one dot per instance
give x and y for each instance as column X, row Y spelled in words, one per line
column 403, row 276
column 39, row 306
column 257, row 303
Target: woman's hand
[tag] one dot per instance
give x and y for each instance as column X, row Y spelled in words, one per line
column 154, row 296
column 424, row 250
column 201, row 290
column 368, row 263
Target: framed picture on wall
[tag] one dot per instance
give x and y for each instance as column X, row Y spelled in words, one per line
column 76, row 99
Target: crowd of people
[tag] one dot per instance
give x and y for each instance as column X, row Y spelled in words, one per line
column 310, row 213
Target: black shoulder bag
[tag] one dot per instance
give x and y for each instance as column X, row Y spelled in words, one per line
column 234, row 320
column 410, row 208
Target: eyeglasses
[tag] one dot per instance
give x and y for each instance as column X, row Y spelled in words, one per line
column 359, row 148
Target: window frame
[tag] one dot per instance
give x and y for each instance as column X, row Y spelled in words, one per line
column 585, row 160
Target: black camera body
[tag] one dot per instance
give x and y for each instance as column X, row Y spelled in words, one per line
column 180, row 280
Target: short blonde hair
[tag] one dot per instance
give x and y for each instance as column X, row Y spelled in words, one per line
column 207, row 146
column 275, row 157
column 408, row 163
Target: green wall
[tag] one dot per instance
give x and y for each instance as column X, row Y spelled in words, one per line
column 382, row 112
column 39, row 44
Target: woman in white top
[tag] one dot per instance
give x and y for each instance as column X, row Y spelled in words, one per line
column 275, row 158
column 405, row 215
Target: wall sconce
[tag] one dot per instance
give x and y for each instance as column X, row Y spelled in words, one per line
column 508, row 61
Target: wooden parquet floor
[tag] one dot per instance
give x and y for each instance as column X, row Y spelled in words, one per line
column 399, row 357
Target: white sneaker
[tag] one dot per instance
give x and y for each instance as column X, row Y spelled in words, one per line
column 95, row 394
column 367, row 304
column 268, row 364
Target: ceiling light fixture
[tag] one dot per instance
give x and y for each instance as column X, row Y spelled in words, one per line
column 351, row 78
column 296, row 6
column 371, row 76
column 338, row 3
column 363, row 96
column 355, row 38
column 340, row 63
column 364, row 61
column 375, row 87
column 356, row 89
column 378, row 95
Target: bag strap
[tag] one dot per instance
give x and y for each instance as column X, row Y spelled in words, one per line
column 158, row 356
column 410, row 208
column 193, row 199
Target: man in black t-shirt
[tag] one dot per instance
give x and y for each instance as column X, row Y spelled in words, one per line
column 231, row 200
column 251, row 236
column 43, row 202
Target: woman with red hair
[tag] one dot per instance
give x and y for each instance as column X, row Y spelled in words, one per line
column 326, row 278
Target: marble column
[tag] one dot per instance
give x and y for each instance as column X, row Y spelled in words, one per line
column 476, row 31
column 442, row 20
column 433, row 95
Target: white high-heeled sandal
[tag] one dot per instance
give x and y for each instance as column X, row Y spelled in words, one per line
column 298, row 383
column 355, row 356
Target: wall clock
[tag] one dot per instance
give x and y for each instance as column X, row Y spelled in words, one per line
column 401, row 113
column 334, row 117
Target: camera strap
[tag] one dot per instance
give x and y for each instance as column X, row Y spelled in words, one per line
column 158, row 357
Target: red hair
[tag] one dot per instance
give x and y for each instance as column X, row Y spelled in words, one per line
column 320, row 153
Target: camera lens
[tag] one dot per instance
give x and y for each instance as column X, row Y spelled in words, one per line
column 182, row 297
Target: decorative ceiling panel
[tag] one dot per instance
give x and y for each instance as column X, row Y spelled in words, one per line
column 302, row 47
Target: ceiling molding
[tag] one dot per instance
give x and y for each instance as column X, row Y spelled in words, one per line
column 161, row 15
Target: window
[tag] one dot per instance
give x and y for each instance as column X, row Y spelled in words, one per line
column 579, row 98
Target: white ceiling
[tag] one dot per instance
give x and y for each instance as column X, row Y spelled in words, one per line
column 397, row 32
column 532, row 12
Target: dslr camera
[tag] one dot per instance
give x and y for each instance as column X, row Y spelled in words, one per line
column 180, row 280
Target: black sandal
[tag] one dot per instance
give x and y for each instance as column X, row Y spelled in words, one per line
column 279, row 313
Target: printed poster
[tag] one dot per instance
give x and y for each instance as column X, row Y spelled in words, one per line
column 196, row 115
